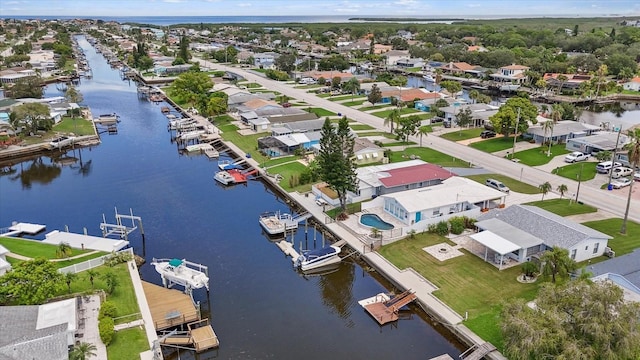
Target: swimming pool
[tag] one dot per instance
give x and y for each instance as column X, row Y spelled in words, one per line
column 374, row 220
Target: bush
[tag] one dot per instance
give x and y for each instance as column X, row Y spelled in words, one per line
column 117, row 258
column 442, row 228
column 457, row 225
column 105, row 327
column 107, row 309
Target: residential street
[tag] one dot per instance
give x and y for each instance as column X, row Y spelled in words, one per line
column 590, row 193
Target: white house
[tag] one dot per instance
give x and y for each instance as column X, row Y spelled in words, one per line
column 633, row 84
column 512, row 73
column 456, row 196
column 521, row 231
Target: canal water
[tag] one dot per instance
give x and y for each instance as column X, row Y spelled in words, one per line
column 259, row 306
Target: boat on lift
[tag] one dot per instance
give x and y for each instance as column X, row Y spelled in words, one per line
column 313, row 259
column 275, row 223
column 177, row 271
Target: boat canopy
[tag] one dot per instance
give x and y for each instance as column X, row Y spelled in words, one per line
column 175, row 262
column 313, row 254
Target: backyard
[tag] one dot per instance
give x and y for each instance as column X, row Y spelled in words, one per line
column 35, row 249
column 466, row 283
column 428, row 155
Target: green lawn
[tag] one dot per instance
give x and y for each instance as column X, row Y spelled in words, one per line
column 538, row 156
column 248, row 143
column 347, row 97
column 384, row 113
column 373, row 107
column 252, row 85
column 621, row 244
column 513, row 184
column 428, row 155
column 34, row 248
column 462, row 134
column 399, row 143
column 583, row 171
column 354, row 103
column 128, row 344
column 308, row 86
column 376, row 133
column 351, row 209
column 357, row 127
column 493, row 145
column 279, row 160
column 288, row 170
column 65, row 263
column 563, row 207
column 78, row 126
column 321, row 112
column 466, row 283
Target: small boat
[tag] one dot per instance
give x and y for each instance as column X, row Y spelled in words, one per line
column 428, row 78
column 378, row 298
column 313, row 259
column 509, row 87
column 62, row 141
column 224, row 178
column 275, row 223
column 177, row 272
column 165, row 109
column 107, row 119
column 227, row 165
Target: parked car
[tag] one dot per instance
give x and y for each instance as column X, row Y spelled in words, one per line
column 620, row 183
column 636, row 176
column 321, row 202
column 446, row 123
column 621, row 172
column 485, row 134
column 497, row 185
column 606, row 166
column 576, row 156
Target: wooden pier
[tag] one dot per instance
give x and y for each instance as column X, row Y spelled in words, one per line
column 477, row 352
column 174, row 311
column 387, row 311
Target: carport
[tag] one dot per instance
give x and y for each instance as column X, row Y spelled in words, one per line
column 496, row 243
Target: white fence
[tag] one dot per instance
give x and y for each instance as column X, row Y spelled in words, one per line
column 89, row 264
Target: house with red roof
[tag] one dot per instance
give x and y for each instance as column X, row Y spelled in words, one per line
column 633, row 84
column 513, row 73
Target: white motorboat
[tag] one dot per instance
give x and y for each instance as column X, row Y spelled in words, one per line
column 378, row 298
column 313, row 259
column 509, row 87
column 227, row 165
column 275, row 223
column 224, row 178
column 429, row 78
column 176, row 271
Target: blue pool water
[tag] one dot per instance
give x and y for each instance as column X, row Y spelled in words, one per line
column 374, row 220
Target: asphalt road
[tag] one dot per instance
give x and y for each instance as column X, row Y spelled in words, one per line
column 611, row 201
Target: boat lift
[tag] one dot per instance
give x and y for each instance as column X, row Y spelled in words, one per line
column 119, row 229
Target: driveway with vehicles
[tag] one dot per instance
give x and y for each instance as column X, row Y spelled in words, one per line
column 612, row 201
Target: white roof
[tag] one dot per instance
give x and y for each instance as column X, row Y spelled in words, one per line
column 451, row 191
column 494, row 242
column 293, row 139
column 3, row 250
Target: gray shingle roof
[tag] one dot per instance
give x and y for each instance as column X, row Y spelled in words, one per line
column 626, row 265
column 554, row 230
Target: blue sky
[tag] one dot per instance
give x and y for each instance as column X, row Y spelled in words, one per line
column 416, row 8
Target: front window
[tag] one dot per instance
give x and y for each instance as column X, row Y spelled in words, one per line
column 595, row 248
column 573, row 254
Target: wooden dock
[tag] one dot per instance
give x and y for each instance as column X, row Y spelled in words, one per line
column 173, row 309
column 478, row 352
column 387, row 311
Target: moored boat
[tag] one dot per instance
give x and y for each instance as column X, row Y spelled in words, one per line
column 275, row 223
column 313, row 259
column 176, row 271
column 224, row 178
column 62, row 141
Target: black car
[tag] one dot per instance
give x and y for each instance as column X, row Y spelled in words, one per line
column 485, row 134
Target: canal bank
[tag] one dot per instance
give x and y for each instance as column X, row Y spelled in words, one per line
column 403, row 280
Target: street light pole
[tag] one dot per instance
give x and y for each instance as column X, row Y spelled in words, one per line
column 613, row 156
column 515, row 135
column 579, row 181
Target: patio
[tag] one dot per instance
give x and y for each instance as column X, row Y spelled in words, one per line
column 465, row 241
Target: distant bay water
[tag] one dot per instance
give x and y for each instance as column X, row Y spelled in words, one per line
column 173, row 20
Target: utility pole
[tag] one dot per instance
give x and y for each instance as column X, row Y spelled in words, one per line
column 515, row 135
column 613, row 156
column 579, row 181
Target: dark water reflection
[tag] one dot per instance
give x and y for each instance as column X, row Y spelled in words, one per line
column 260, row 307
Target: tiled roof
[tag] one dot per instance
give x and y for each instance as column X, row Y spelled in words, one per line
column 415, row 174
column 554, row 230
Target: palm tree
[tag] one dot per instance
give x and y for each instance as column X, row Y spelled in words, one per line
column 473, row 95
column 547, row 126
column 557, row 262
column 562, row 79
column 562, row 188
column 68, row 278
column 82, row 351
column 64, row 250
column 393, row 117
column 92, row 274
column 556, row 115
column 352, row 86
column 422, row 130
column 545, row 188
column 634, row 159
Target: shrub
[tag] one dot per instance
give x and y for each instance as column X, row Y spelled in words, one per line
column 529, row 268
column 469, row 223
column 432, row 228
column 107, row 309
column 442, row 228
column 457, row 224
column 105, row 328
column 117, row 258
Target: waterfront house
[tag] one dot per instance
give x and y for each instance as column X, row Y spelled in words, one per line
column 453, row 196
column 238, row 99
column 287, row 144
column 513, row 73
column 404, row 63
column 365, row 87
column 328, row 75
column 458, row 69
column 562, row 131
column 407, row 94
column 632, row 85
column 572, row 82
column 391, row 57
column 602, row 141
column 38, row 331
column 529, row 230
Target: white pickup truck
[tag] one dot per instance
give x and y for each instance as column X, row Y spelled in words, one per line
column 576, row 156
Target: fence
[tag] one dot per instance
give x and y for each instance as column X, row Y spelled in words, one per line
column 89, row 264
